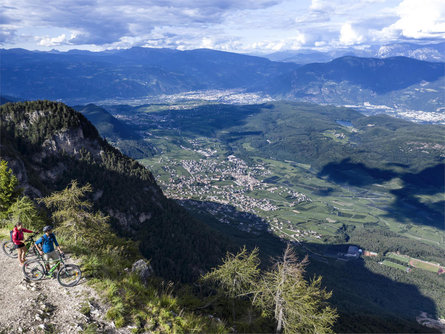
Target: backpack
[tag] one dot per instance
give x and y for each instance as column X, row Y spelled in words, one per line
column 10, row 234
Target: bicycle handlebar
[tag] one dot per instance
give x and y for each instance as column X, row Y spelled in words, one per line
column 31, row 237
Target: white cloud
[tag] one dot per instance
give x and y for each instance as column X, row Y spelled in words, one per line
column 207, row 43
column 230, row 25
column 348, row 36
column 320, row 5
column 420, row 19
column 54, row 41
column 295, row 42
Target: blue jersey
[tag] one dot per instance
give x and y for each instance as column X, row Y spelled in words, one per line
column 47, row 243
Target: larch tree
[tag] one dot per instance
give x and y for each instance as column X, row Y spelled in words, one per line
column 238, row 275
column 298, row 306
column 73, row 214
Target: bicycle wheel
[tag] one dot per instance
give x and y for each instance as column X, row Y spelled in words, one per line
column 32, row 252
column 33, row 270
column 10, row 249
column 69, row 275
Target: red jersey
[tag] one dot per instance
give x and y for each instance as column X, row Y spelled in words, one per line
column 17, row 235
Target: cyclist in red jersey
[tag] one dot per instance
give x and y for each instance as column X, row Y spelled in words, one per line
column 18, row 239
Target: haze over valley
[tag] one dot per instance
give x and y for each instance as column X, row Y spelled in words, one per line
column 402, row 87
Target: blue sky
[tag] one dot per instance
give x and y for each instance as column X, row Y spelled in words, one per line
column 245, row 26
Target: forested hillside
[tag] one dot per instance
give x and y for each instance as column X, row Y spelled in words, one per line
column 116, row 132
column 49, row 144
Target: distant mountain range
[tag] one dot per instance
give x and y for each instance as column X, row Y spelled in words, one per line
column 79, row 77
column 395, row 85
column 379, row 75
column 131, row 73
column 427, row 52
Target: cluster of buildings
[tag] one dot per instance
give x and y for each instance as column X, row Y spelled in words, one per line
column 225, row 182
column 220, row 185
column 229, row 96
column 231, row 191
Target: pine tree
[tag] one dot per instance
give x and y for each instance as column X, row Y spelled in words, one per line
column 25, row 211
column 9, row 190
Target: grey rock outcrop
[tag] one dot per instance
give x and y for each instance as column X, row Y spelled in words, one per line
column 143, row 269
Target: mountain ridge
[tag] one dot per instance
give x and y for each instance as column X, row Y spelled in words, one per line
column 427, row 52
column 379, row 75
column 142, row 72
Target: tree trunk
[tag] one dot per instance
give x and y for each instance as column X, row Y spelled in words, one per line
column 233, row 309
column 279, row 321
column 233, row 299
column 278, row 295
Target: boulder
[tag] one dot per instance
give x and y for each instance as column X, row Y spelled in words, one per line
column 143, row 269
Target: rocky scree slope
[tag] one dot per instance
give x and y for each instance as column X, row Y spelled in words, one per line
column 46, row 306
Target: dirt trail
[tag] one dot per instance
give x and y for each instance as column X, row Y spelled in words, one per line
column 46, row 306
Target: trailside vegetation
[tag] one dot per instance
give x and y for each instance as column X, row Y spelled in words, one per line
column 238, row 275
column 9, row 190
column 281, row 293
column 14, row 206
column 74, row 217
column 152, row 305
column 297, row 306
column 105, row 259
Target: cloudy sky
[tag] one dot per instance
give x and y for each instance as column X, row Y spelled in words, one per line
column 246, row 26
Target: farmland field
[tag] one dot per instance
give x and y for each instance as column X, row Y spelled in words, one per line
column 394, row 265
column 413, row 262
column 401, row 258
column 424, row 265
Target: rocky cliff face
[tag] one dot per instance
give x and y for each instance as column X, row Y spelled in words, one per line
column 49, row 153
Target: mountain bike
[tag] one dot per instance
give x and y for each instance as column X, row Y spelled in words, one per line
column 10, row 249
column 68, row 275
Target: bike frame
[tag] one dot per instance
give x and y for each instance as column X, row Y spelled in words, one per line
column 29, row 243
column 54, row 266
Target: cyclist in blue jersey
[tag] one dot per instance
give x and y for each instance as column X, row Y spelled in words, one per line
column 45, row 245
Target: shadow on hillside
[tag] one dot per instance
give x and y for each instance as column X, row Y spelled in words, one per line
column 367, row 302
column 407, row 205
column 364, row 296
column 204, row 120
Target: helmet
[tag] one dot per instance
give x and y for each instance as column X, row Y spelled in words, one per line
column 47, row 228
